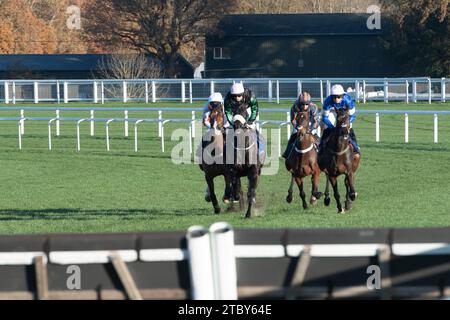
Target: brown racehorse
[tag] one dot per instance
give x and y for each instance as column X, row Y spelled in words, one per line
column 339, row 158
column 212, row 156
column 302, row 161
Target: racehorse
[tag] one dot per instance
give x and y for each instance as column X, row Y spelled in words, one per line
column 245, row 160
column 339, row 158
column 302, row 161
column 212, row 155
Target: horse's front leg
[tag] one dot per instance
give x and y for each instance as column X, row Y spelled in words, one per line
column 215, row 203
column 302, row 193
column 333, row 181
column 351, row 183
column 348, row 201
column 327, row 199
column 315, row 194
column 251, row 194
column 289, row 196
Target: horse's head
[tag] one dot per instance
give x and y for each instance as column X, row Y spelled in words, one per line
column 239, row 122
column 343, row 122
column 302, row 119
column 216, row 115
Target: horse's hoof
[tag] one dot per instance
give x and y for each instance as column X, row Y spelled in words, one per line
column 248, row 216
column 208, row 198
column 305, row 206
column 289, row 199
column 327, row 201
column 226, row 200
column 217, row 210
column 353, row 196
column 318, row 195
column 348, row 205
column 341, row 212
column 313, row 201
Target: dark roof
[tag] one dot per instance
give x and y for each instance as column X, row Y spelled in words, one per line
column 296, row 24
column 56, row 62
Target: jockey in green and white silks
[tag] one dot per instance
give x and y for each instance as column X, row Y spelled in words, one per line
column 240, row 97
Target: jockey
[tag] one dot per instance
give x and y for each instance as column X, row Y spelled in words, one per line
column 303, row 103
column 338, row 99
column 213, row 99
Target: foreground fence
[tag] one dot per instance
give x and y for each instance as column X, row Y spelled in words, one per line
column 222, row 263
column 189, row 90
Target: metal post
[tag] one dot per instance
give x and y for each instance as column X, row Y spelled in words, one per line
column 429, row 90
column 407, row 91
column 269, row 91
column 414, row 91
column 183, row 92
column 66, row 92
column 299, row 88
column 107, row 133
column 364, row 91
column 14, row 92
column 328, row 88
column 406, row 128
column 22, row 121
column 159, row 123
column 162, row 135
column 126, row 122
column 357, row 90
column 6, row 87
column 193, row 124
column 211, row 90
column 321, row 91
column 58, row 93
column 57, row 123
column 190, row 140
column 95, row 92
column 50, row 133
column 20, row 135
column 136, row 134
column 435, row 128
column 288, row 126
column 103, row 92
column 377, row 127
column 78, row 133
column 190, row 91
column 92, row 123
column 36, row 92
column 278, row 92
column 279, row 142
column 125, row 94
column 153, row 92
column 442, row 89
column 386, row 91
column 146, row 91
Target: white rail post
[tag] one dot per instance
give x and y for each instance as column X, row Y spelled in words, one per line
column 107, row 133
column 269, row 91
column 146, row 91
column 14, row 92
column 406, row 128
column 95, row 92
column 414, row 91
column 279, row 141
column 193, row 124
column 124, row 91
column 357, row 90
column 92, row 123
column 6, row 87
column 435, row 128
column 190, row 140
column 288, row 126
column 429, row 90
column 153, row 91
column 386, row 91
column 321, row 91
column 328, row 88
column 103, row 92
column 211, row 87
column 57, row 123
column 407, row 91
column 200, row 263
column 58, row 93
column 162, row 135
column 36, row 92
column 160, row 123
column 22, row 122
column 20, row 135
column 442, row 89
column 78, row 133
column 224, row 261
column 50, row 133
column 183, row 92
column 190, row 91
column 377, row 127
column 364, row 91
column 278, row 92
column 126, row 123
column 136, row 134
column 66, row 92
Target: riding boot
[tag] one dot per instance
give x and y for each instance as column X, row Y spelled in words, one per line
column 354, row 141
column 289, row 146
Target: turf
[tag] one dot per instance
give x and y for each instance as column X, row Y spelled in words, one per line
column 93, row 190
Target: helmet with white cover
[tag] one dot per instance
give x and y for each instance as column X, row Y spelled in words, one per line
column 337, row 90
column 237, row 88
column 215, row 97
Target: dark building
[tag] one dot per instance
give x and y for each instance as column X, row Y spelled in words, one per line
column 296, row 46
column 63, row 66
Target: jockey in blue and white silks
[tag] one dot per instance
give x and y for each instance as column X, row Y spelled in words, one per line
column 338, row 99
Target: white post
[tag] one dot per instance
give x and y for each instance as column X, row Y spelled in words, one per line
column 125, row 94
column 162, row 135
column 146, row 91
column 407, row 91
column 22, row 122
column 92, row 123
column 159, row 123
column 66, row 92
column 193, row 124
column 377, row 127
column 126, row 122
column 20, row 135
column 357, row 90
column 103, row 92
column 406, row 128
column 414, row 91
column 50, row 135
column 328, row 88
column 14, row 92
column 57, row 123
column 6, row 87
column 364, row 91
column 288, row 126
column 36, row 92
column 386, row 91
column 435, row 128
column 278, row 92
column 200, row 263
column 183, row 92
column 321, row 91
column 95, row 92
column 190, row 140
column 429, row 90
column 224, row 261
column 269, row 91
column 153, row 92
column 58, row 93
column 279, row 142
column 78, row 133
column 299, row 88
column 107, row 133
column 211, row 90
column 190, row 91
column 136, row 135
column 442, row 89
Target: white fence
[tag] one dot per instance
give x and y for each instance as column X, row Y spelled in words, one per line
column 190, row 124
column 189, row 90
